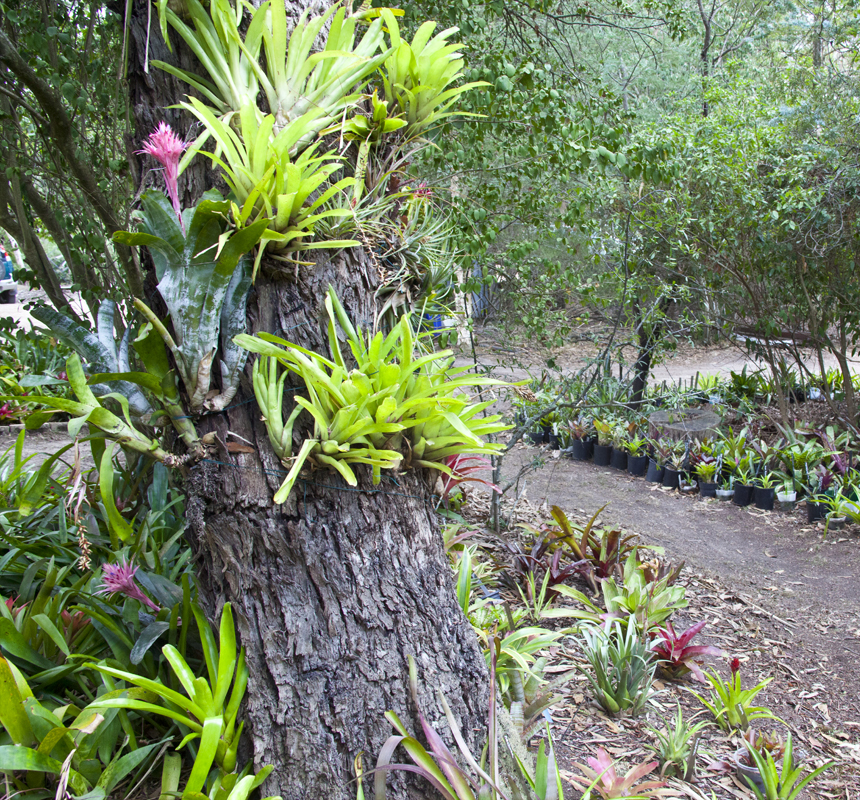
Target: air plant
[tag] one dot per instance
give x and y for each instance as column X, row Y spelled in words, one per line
column 676, row 657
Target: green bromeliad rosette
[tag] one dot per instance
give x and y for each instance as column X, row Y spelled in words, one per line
column 396, row 408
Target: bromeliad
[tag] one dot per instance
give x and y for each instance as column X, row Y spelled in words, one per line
column 394, row 408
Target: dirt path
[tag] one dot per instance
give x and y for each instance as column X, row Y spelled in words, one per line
column 774, row 592
column 777, row 557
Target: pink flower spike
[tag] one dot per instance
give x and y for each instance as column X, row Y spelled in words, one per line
column 167, row 148
column 119, row 579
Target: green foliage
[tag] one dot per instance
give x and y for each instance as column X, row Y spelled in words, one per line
column 361, row 416
column 270, row 188
column 99, row 349
column 785, row 783
column 208, row 710
column 417, row 76
column 731, row 704
column 676, row 747
column 649, row 604
column 55, row 220
column 203, row 280
column 232, row 81
column 601, row 777
column 622, row 669
column 85, row 750
column 515, row 652
column 534, row 779
column 88, row 409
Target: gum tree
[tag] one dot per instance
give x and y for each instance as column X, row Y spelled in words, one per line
column 338, row 583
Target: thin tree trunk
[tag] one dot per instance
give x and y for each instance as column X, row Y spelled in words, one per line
column 707, row 18
column 648, row 340
column 336, row 588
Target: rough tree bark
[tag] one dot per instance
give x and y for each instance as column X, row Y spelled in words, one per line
column 334, row 589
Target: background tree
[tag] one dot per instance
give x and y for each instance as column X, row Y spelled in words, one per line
column 65, row 188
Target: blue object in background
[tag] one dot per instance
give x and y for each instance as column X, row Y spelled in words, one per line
column 433, row 321
column 7, row 265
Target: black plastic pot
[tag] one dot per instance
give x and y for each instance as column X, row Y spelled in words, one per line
column 671, row 477
column 554, row 444
column 636, row 465
column 654, row 473
column 618, row 459
column 764, row 498
column 547, row 432
column 602, row 454
column 535, row 437
column 708, row 489
column 815, row 511
column 580, row 450
column 743, row 494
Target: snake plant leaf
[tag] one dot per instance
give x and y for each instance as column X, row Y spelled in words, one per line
column 100, row 350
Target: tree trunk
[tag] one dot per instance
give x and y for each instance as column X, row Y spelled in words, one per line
column 707, row 18
column 335, row 588
column 649, row 337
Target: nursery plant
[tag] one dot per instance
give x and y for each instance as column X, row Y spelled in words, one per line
column 621, row 667
column 785, row 782
column 676, row 657
column 600, row 776
column 601, row 550
column 647, row 604
column 706, row 469
column 676, row 746
column 731, row 704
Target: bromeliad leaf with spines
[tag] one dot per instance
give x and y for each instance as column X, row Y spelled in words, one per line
column 197, row 273
column 396, row 406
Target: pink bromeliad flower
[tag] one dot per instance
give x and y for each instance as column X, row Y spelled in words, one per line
column 119, row 579
column 167, row 148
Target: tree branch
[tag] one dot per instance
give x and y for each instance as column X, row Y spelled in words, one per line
column 62, row 134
